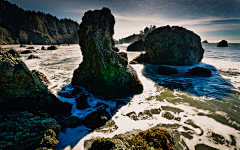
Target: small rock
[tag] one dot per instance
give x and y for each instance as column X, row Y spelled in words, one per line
column 22, row 45
column 222, row 43
column 43, row 48
column 33, row 56
column 30, row 47
column 52, row 48
column 200, row 71
column 167, row 70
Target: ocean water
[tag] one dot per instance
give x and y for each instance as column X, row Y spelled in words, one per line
column 200, row 112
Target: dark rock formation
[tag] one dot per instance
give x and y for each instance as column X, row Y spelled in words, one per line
column 43, row 48
column 52, row 47
column 136, row 46
column 222, row 43
column 41, row 77
column 14, row 53
column 142, row 58
column 173, row 46
column 71, row 122
column 167, row 70
column 205, row 41
column 82, row 102
column 27, row 51
column 24, row 130
column 21, row 90
column 200, row 71
column 150, row 139
column 30, row 47
column 96, row 119
column 103, row 71
column 33, row 57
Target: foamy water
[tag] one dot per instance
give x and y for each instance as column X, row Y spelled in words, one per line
column 200, row 112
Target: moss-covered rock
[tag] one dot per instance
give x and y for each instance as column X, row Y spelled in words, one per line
column 173, row 46
column 26, row 131
column 154, row 139
column 103, row 71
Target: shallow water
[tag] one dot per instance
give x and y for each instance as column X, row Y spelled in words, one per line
column 200, row 112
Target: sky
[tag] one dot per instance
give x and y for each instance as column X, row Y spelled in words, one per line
column 212, row 20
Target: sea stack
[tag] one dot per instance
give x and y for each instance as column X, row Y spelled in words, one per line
column 222, row 43
column 103, row 71
column 173, row 46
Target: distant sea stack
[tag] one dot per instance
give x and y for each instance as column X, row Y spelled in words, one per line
column 222, row 43
column 173, row 46
column 205, row 41
column 103, row 71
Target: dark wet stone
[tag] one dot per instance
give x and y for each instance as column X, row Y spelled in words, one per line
column 200, row 71
column 167, row 70
column 222, row 43
column 173, row 46
column 43, row 48
column 21, row 45
column 27, row 51
column 33, row 57
column 82, row 102
column 52, row 47
column 30, row 47
column 96, row 119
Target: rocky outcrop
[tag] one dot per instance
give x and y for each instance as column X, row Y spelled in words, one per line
column 167, row 70
column 136, row 46
column 25, row 131
column 150, row 139
column 103, row 71
column 142, row 58
column 14, row 53
column 173, row 46
column 222, row 43
column 33, row 57
column 200, row 71
column 21, row 90
column 52, row 47
column 205, row 41
column 41, row 77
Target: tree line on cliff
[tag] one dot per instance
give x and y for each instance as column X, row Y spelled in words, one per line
column 30, row 27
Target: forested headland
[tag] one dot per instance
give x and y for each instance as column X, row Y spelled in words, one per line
column 18, row 26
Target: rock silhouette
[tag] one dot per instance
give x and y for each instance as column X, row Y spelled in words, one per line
column 222, row 43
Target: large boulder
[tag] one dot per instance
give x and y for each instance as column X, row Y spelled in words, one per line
column 103, row 71
column 165, row 70
column 173, row 46
column 222, row 43
column 21, row 90
column 136, row 46
column 25, row 131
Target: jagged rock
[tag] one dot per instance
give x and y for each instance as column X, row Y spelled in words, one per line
column 14, row 53
column 41, row 77
column 96, row 119
column 222, row 43
column 33, row 57
column 27, row 51
column 173, row 46
column 82, row 102
column 52, row 47
column 167, row 70
column 136, row 46
column 200, row 71
column 205, row 41
column 21, row 90
column 142, row 58
column 103, row 71
column 24, row 130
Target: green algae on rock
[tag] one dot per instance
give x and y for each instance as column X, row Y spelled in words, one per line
column 103, row 71
column 153, row 139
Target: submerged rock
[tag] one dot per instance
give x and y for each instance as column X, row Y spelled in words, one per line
column 24, row 130
column 52, row 47
column 103, row 71
column 200, row 71
column 222, row 43
column 33, row 57
column 136, row 46
column 142, row 58
column 167, row 70
column 173, row 46
column 21, row 90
